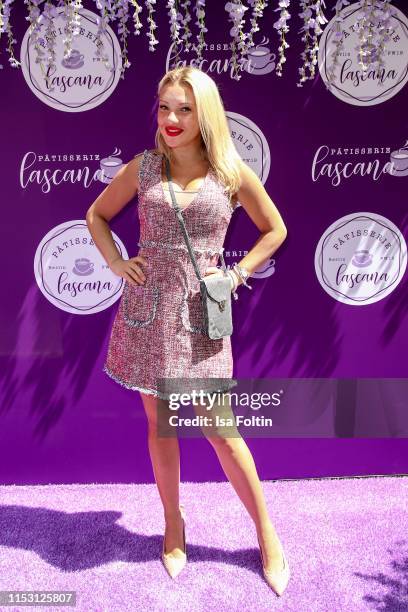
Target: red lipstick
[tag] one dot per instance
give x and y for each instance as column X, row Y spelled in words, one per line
column 171, row 131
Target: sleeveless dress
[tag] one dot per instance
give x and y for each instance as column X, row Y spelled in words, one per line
column 158, row 331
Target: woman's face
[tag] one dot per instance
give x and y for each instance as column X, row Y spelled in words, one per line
column 177, row 116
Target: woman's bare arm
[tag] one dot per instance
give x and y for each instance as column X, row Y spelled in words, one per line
column 255, row 200
column 109, row 203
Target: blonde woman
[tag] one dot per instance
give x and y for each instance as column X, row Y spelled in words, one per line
column 158, row 329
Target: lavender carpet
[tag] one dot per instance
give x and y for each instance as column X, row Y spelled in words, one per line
column 346, row 540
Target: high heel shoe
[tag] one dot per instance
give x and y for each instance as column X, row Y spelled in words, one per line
column 174, row 565
column 277, row 579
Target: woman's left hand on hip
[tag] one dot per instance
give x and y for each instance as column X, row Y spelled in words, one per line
column 213, row 270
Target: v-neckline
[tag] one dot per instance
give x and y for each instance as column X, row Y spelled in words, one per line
column 197, row 195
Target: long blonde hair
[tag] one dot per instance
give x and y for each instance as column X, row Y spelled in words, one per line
column 217, row 144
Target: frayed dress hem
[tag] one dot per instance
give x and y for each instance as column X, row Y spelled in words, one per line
column 134, row 387
column 155, row 392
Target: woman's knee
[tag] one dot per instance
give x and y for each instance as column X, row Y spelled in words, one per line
column 221, row 430
column 223, row 440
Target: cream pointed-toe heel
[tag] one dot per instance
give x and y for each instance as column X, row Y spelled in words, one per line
column 174, row 565
column 277, row 579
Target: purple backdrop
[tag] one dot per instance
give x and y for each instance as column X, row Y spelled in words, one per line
column 62, row 419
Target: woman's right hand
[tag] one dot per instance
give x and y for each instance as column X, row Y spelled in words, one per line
column 130, row 269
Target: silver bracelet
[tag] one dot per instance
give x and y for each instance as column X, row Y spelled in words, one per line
column 234, row 278
column 243, row 274
column 234, row 284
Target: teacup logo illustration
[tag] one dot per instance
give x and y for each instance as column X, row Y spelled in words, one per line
column 75, row 61
column 110, row 166
column 360, row 258
column 261, row 60
column 83, row 267
column 81, row 81
column 71, row 272
column 399, row 161
column 351, row 84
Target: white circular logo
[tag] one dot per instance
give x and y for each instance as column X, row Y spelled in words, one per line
column 71, row 272
column 350, row 83
column 250, row 143
column 82, row 81
column 361, row 258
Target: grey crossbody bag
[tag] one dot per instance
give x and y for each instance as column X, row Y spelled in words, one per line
column 215, row 290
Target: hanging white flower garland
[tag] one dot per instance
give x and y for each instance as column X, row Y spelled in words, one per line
column 236, row 12
column 372, row 19
column 5, row 26
column 152, row 25
column 73, row 23
column 312, row 31
column 374, row 15
column 184, row 22
column 49, row 13
column 199, row 10
column 175, row 16
column 282, row 27
column 373, row 31
column 137, row 23
column 258, row 7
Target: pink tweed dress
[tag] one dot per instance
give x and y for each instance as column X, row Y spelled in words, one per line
column 158, row 330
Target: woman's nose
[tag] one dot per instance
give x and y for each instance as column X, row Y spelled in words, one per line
column 172, row 117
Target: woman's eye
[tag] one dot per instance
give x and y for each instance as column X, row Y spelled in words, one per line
column 183, row 108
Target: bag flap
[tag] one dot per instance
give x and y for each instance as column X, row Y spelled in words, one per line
column 217, row 287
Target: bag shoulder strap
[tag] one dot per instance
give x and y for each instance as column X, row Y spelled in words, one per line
column 177, row 210
column 179, row 215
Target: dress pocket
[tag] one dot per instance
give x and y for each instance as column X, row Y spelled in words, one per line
column 192, row 315
column 139, row 305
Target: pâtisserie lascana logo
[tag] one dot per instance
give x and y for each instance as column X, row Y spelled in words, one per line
column 71, row 272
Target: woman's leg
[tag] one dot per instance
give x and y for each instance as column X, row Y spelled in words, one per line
column 239, row 467
column 165, row 458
